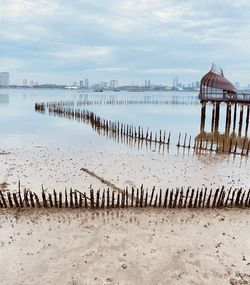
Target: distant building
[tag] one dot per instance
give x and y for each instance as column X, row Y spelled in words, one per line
column 175, row 82
column 197, row 84
column 104, row 85
column 237, row 85
column 86, row 83
column 25, row 83
column 113, row 84
column 81, row 84
column 31, row 85
column 4, row 79
column 75, row 84
column 147, row 83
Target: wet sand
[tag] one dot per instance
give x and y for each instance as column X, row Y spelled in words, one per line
column 129, row 246
column 57, row 168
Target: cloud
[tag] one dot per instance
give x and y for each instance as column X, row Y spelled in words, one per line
column 76, row 53
column 129, row 39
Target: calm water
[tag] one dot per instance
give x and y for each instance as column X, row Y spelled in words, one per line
column 20, row 125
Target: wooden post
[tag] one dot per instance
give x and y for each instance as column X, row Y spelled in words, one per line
column 71, row 203
column 166, row 199
column 10, row 200
column 32, row 200
column 235, row 115
column 176, row 197
column 80, row 200
column 228, row 195
column 98, row 199
column 3, row 199
column 103, row 199
column 85, row 200
column 191, row 199
column 213, row 118
column 26, row 199
column 178, row 144
column 113, row 199
column 241, row 119
column 108, row 198
column 38, row 204
column 186, row 198
column 45, row 204
column 152, row 195
column 155, row 203
column 146, row 199
column 118, row 200
column 247, row 119
column 126, row 197
column 137, row 198
column 204, row 198
column 209, row 199
column 55, row 198
column 215, row 198
column 50, row 200
column 66, row 198
column 196, row 198
column 132, row 197
column 160, row 196
column 200, row 199
column 141, row 197
column 170, row 199
column 20, row 195
column 15, row 200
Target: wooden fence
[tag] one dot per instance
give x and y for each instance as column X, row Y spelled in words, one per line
column 139, row 198
column 128, row 134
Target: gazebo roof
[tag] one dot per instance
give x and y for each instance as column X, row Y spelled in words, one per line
column 215, row 79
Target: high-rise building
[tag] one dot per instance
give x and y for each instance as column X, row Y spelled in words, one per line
column 86, row 83
column 104, row 85
column 81, row 84
column 31, row 84
column 4, row 79
column 25, row 82
column 113, row 84
column 176, row 81
column 237, row 85
column 197, row 84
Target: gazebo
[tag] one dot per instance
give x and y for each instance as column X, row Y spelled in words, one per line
column 215, row 86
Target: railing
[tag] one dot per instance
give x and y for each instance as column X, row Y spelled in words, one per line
column 225, row 97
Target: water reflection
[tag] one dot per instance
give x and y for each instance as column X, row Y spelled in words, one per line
column 231, row 139
column 4, row 99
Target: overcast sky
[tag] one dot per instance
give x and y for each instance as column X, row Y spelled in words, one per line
column 66, row 40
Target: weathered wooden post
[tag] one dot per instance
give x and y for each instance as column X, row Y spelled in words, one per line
column 228, row 118
column 247, row 119
column 235, row 115
column 241, row 118
column 217, row 116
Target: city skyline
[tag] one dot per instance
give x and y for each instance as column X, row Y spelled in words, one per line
column 124, row 40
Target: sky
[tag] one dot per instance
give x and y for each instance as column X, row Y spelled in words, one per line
column 62, row 41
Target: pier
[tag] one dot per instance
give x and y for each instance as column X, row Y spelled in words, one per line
column 216, row 91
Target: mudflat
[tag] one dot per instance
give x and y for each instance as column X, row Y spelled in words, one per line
column 125, row 246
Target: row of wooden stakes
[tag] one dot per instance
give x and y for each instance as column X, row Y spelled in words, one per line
column 107, row 126
column 214, row 145
column 114, row 129
column 135, row 102
column 140, row 197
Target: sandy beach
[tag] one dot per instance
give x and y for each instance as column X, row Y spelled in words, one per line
column 129, row 246
column 57, row 168
column 119, row 246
